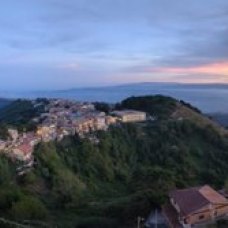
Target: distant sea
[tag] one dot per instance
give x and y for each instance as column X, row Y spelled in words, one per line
column 210, row 98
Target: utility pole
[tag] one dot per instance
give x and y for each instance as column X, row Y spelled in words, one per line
column 156, row 219
column 139, row 220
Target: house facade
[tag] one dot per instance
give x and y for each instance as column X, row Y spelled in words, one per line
column 195, row 206
column 13, row 134
column 47, row 132
column 126, row 116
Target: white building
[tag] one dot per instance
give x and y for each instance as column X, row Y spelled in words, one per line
column 13, row 134
column 130, row 115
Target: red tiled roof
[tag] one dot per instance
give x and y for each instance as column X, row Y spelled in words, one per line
column 212, row 196
column 193, row 199
column 25, row 148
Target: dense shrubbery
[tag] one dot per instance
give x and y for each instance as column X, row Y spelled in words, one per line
column 190, row 106
column 16, row 203
column 19, row 114
column 3, row 131
column 103, row 107
column 158, row 105
column 131, row 170
column 28, row 208
column 6, row 171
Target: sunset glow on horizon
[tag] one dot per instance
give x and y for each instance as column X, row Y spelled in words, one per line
column 218, row 70
column 213, row 68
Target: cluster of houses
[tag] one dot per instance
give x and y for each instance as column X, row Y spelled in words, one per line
column 63, row 118
column 20, row 147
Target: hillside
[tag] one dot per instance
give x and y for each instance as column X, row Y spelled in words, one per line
column 76, row 183
column 186, row 113
column 19, row 114
column 167, row 108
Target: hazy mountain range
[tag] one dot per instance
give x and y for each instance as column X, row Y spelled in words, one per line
column 210, row 98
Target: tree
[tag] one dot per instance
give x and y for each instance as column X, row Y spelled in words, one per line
column 29, row 208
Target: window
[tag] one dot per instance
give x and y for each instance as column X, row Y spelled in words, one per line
column 201, row 217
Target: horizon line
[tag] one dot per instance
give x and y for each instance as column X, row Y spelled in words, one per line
column 116, row 85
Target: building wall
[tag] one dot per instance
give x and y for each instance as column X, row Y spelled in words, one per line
column 13, row 133
column 221, row 210
column 21, row 156
column 200, row 217
column 207, row 213
column 134, row 117
column 47, row 133
column 110, row 120
column 2, row 146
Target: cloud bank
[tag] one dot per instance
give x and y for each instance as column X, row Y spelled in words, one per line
column 55, row 43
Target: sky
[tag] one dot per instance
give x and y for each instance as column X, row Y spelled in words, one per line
column 60, row 44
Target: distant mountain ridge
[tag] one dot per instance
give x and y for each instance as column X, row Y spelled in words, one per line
column 177, row 84
column 210, row 98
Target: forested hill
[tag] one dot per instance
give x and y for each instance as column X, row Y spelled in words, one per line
column 79, row 184
column 19, row 114
column 166, row 109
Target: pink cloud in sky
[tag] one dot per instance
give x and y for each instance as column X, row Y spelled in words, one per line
column 220, row 68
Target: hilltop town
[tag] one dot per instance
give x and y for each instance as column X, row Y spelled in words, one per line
column 63, row 118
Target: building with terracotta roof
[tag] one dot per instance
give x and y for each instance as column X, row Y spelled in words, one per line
column 23, row 152
column 30, row 138
column 192, row 206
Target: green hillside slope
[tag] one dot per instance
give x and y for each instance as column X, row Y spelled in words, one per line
column 78, row 184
